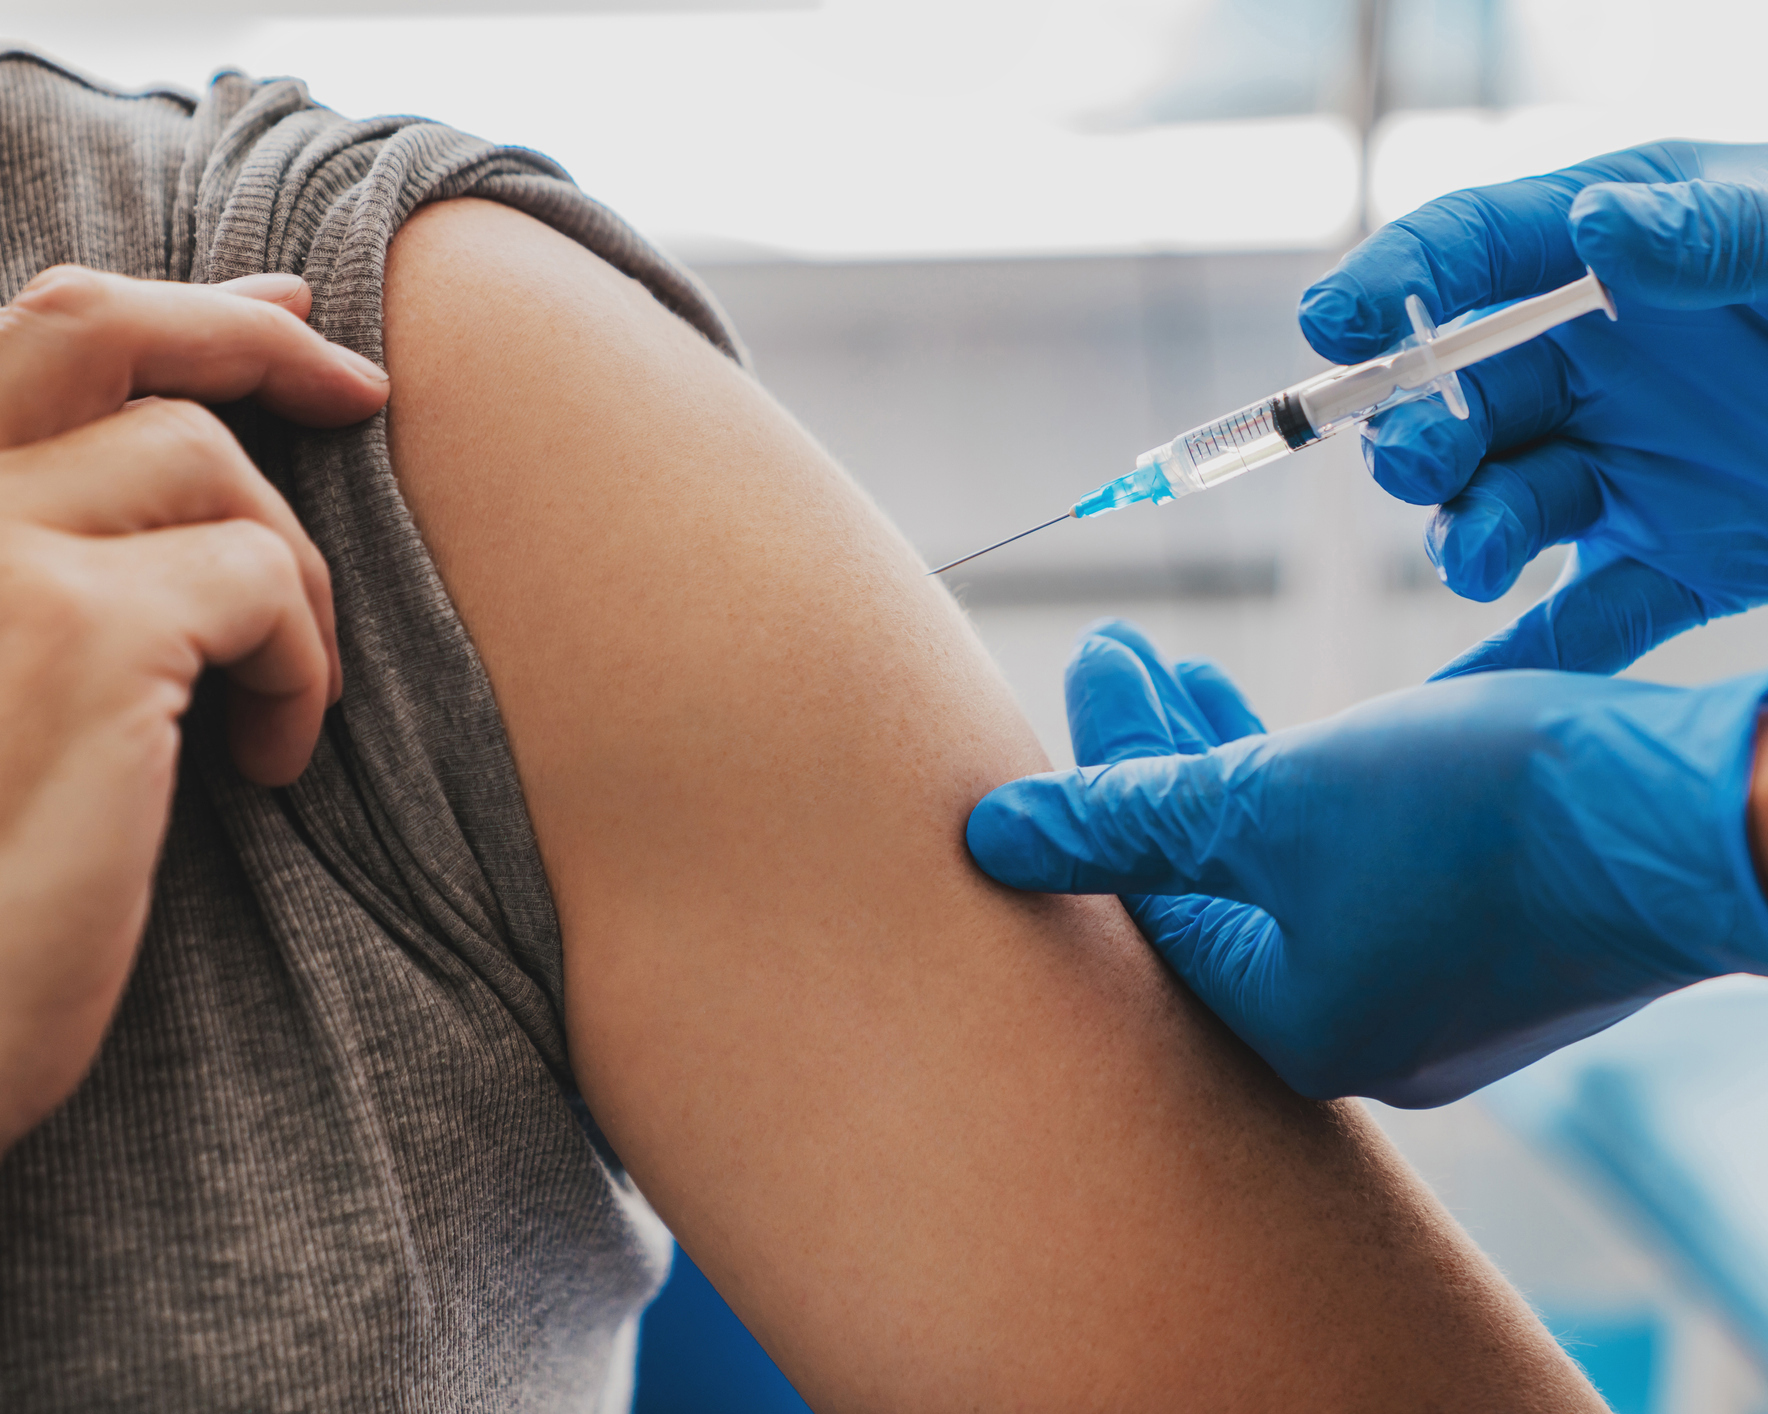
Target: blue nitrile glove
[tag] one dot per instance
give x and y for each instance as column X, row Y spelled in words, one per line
column 1643, row 441
column 1422, row 894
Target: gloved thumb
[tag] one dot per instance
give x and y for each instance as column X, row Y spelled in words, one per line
column 1675, row 245
column 1136, row 827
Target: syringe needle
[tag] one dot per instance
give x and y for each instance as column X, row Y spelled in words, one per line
column 1066, row 515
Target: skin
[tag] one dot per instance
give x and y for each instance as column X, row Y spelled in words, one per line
column 1756, row 816
column 941, row 1145
column 138, row 545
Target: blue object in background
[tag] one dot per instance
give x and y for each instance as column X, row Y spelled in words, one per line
column 1665, row 1115
column 1621, row 1357
column 696, row 1357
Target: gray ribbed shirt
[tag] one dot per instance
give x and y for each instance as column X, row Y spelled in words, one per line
column 329, row 1157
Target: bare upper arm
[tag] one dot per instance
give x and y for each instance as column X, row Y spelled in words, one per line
column 941, row 1145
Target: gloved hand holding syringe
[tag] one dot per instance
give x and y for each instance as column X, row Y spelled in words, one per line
column 1330, row 401
column 1421, row 894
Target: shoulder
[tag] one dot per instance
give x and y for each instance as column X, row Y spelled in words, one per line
column 473, row 270
column 515, row 348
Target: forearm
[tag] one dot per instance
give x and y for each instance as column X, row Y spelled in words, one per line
column 942, row 1145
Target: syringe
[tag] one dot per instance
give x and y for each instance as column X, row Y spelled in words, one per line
column 1272, row 428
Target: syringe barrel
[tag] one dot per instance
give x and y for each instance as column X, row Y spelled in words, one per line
column 1247, row 438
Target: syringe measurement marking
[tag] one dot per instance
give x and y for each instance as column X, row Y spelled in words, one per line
column 1230, row 434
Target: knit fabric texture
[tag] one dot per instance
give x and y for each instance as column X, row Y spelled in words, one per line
column 330, row 1156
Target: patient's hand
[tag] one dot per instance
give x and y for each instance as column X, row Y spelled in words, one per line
column 137, row 546
column 941, row 1145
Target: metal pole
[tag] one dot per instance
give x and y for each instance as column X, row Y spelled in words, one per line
column 1368, row 97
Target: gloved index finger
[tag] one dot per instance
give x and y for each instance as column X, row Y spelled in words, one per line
column 1135, row 827
column 1470, row 249
column 1463, row 251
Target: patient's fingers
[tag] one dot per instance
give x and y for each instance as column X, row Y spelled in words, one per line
column 227, row 593
column 288, row 292
column 160, row 463
column 77, row 344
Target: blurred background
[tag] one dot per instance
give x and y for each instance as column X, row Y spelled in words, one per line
column 988, row 251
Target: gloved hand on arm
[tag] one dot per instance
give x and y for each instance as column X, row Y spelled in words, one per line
column 1644, row 441
column 1422, row 894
